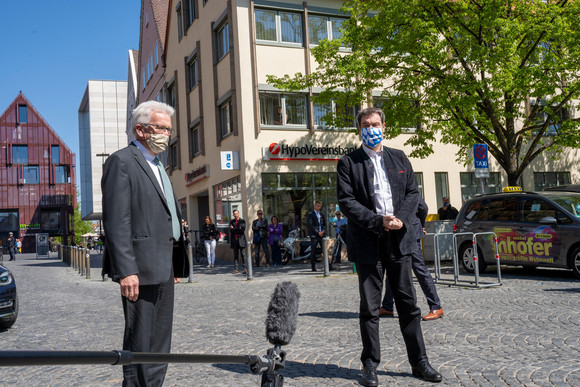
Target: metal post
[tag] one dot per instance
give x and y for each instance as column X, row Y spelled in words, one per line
column 325, row 256
column 87, row 264
column 190, row 259
column 80, row 260
column 249, row 261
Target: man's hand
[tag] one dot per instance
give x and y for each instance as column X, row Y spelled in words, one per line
column 130, row 287
column 176, row 280
column 321, row 233
column 390, row 222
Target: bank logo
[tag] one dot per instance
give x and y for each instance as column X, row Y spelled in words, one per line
column 274, row 148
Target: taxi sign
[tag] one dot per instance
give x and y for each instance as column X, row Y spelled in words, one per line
column 512, row 189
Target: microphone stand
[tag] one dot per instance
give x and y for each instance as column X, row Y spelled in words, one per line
column 277, row 361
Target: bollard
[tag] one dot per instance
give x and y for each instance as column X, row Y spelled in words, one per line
column 190, row 259
column 87, row 264
column 80, row 260
column 59, row 249
column 248, row 259
column 325, row 256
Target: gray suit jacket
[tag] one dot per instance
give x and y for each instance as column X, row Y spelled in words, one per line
column 355, row 193
column 138, row 223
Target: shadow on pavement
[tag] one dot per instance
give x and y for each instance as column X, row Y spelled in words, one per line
column 337, row 314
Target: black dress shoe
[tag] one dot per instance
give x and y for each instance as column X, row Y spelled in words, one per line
column 313, row 268
column 369, row 376
column 426, row 372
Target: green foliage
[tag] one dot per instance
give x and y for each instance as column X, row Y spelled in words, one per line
column 465, row 71
column 80, row 226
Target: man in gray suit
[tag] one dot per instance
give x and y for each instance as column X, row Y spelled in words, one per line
column 145, row 250
column 377, row 191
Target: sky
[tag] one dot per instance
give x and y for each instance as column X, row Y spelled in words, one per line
column 50, row 49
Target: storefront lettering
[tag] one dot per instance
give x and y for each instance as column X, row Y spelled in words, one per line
column 197, row 174
column 294, row 151
column 30, row 226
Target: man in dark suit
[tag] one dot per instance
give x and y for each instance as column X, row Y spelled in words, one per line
column 316, row 231
column 420, row 270
column 145, row 251
column 377, row 191
column 238, row 240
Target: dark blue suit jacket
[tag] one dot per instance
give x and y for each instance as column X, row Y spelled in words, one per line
column 355, row 197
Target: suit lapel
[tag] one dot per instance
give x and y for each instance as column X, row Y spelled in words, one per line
column 147, row 169
column 394, row 174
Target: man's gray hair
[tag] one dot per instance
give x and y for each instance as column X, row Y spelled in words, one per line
column 142, row 113
column 368, row 112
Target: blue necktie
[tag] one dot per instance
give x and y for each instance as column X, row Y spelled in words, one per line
column 168, row 190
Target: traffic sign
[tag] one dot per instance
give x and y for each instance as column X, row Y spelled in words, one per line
column 480, row 156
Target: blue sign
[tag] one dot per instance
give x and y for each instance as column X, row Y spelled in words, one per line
column 480, row 155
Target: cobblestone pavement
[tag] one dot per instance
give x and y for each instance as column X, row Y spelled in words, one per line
column 524, row 333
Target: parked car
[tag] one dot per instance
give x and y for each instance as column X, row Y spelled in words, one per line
column 534, row 229
column 8, row 299
column 567, row 187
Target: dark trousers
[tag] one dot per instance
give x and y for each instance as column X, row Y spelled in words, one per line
column 276, row 254
column 425, row 280
column 264, row 244
column 398, row 268
column 314, row 242
column 148, row 326
column 12, row 252
column 239, row 250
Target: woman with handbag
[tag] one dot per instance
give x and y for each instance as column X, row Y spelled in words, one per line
column 209, row 234
column 275, row 240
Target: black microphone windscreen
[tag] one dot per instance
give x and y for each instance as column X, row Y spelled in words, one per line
column 282, row 313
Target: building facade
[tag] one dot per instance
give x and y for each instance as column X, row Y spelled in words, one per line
column 239, row 143
column 37, row 179
column 102, row 125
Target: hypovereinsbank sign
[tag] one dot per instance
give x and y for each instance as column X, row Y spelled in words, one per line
column 281, row 151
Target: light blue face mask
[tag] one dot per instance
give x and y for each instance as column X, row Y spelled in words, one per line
column 371, row 137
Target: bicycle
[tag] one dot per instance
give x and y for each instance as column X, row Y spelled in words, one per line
column 199, row 252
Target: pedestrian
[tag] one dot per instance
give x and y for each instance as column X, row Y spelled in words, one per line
column 447, row 211
column 340, row 229
column 260, row 228
column 275, row 239
column 377, row 191
column 238, row 240
column 185, row 231
column 316, row 231
column 18, row 246
column 11, row 246
column 145, row 249
column 209, row 234
column 421, row 272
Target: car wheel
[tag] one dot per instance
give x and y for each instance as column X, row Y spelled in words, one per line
column 466, row 258
column 7, row 322
column 574, row 263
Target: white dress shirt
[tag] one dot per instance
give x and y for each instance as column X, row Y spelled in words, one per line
column 383, row 197
column 150, row 157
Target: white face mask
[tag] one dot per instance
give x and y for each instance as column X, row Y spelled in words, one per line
column 157, row 142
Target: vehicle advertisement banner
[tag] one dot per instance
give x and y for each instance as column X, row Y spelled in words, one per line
column 539, row 246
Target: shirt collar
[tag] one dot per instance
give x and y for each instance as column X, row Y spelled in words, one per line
column 149, row 156
column 371, row 153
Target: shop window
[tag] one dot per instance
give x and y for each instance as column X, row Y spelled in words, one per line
column 550, row 179
column 282, row 109
column 9, row 221
column 50, row 221
column 19, row 154
column 471, row 185
column 22, row 114
column 228, row 198
column 62, row 174
column 55, row 154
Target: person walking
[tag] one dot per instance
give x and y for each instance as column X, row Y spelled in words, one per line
column 210, row 234
column 238, row 240
column 275, row 239
column 377, row 191
column 316, row 231
column 260, row 228
column 421, row 272
column 145, row 250
column 11, row 246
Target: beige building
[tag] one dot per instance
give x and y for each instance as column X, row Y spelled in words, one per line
column 241, row 144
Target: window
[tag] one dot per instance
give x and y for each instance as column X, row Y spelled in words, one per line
column 223, row 41
column 547, row 114
column 19, row 154
column 9, row 221
column 282, row 109
column 22, row 114
column 441, row 186
column 226, row 126
column 194, row 142
column 323, row 27
column 170, row 95
column 534, row 209
column 192, row 73
column 471, row 185
column 419, row 178
column 55, row 154
column 146, row 17
column 550, row 179
column 173, row 157
column 347, row 113
column 228, row 197
column 62, row 174
column 30, row 174
column 179, row 21
column 156, row 55
column 190, row 13
column 143, row 79
column 50, row 220
column 408, row 122
column 278, row 26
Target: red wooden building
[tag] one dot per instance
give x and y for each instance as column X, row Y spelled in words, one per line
column 37, row 179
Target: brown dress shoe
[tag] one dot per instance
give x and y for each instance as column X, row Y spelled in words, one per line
column 235, row 271
column 245, row 271
column 434, row 314
column 386, row 313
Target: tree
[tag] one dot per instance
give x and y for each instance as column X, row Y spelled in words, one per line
column 499, row 72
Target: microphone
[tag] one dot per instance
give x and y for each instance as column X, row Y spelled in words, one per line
column 282, row 314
